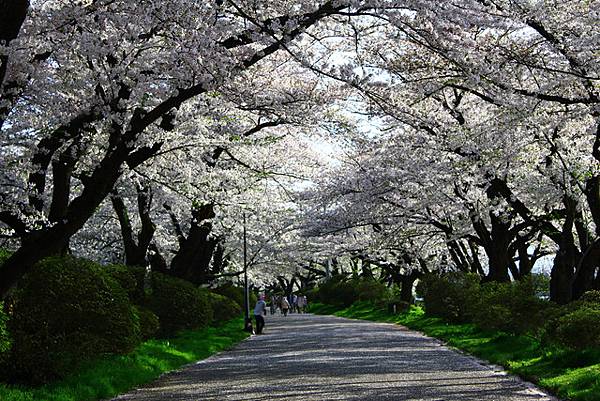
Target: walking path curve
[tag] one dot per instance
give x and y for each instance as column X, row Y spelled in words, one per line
column 309, row 357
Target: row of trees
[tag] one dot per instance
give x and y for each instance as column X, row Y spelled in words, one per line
column 144, row 131
column 467, row 137
column 475, row 144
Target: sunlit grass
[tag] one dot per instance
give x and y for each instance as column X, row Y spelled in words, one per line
column 113, row 375
column 572, row 375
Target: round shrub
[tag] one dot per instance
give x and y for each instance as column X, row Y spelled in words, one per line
column 223, row 308
column 178, row 304
column 511, row 307
column 131, row 278
column 371, row 290
column 5, row 339
column 149, row 323
column 579, row 329
column 591, row 297
column 235, row 293
column 337, row 292
column 450, row 296
column 66, row 311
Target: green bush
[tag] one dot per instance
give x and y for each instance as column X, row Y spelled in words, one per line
column 511, row 307
column 579, row 329
column 5, row 338
column 451, row 296
column 66, row 311
column 341, row 292
column 371, row 290
column 149, row 323
column 591, row 297
column 178, row 304
column 4, row 254
column 575, row 325
column 223, row 308
column 235, row 293
column 131, row 278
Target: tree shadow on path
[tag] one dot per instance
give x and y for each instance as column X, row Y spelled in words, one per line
column 307, row 357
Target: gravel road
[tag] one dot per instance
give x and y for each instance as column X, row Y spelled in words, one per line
column 309, row 357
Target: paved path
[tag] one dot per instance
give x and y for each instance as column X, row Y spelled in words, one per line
column 307, row 357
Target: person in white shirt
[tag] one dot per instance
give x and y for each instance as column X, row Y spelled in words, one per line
column 260, row 309
column 301, row 303
column 285, row 305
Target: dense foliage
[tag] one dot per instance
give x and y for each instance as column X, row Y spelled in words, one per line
column 235, row 293
column 66, row 311
column 341, row 292
column 515, row 308
column 178, row 304
column 471, row 145
column 223, row 308
column 450, row 296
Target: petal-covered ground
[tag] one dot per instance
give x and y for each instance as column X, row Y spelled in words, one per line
column 309, row 357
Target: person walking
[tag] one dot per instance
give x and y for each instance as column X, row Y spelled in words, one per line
column 285, row 306
column 273, row 304
column 301, row 303
column 260, row 309
column 294, row 304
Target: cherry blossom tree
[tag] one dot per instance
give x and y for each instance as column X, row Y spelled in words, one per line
column 112, row 96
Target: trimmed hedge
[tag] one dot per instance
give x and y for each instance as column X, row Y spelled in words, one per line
column 5, row 338
column 66, row 311
column 131, row 278
column 511, row 307
column 341, row 292
column 178, row 304
column 235, row 293
column 149, row 323
column 575, row 325
column 223, row 308
column 579, row 329
column 450, row 296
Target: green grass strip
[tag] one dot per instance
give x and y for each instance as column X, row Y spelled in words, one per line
column 115, row 374
column 571, row 375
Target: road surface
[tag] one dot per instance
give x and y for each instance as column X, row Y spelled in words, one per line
column 309, row 357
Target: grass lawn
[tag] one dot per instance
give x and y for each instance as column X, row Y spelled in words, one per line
column 572, row 375
column 115, row 374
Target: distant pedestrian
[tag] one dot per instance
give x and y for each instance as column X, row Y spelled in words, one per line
column 273, row 305
column 294, row 304
column 301, row 303
column 260, row 309
column 285, row 306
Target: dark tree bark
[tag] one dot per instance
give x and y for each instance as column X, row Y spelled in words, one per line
column 157, row 261
column 136, row 249
column 407, row 283
column 287, row 286
column 464, row 252
column 12, row 16
column 192, row 260
column 220, row 260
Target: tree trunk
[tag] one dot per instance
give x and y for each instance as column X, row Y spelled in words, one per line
column 157, row 261
column 192, row 261
column 563, row 270
column 585, row 274
column 407, row 283
column 135, row 251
